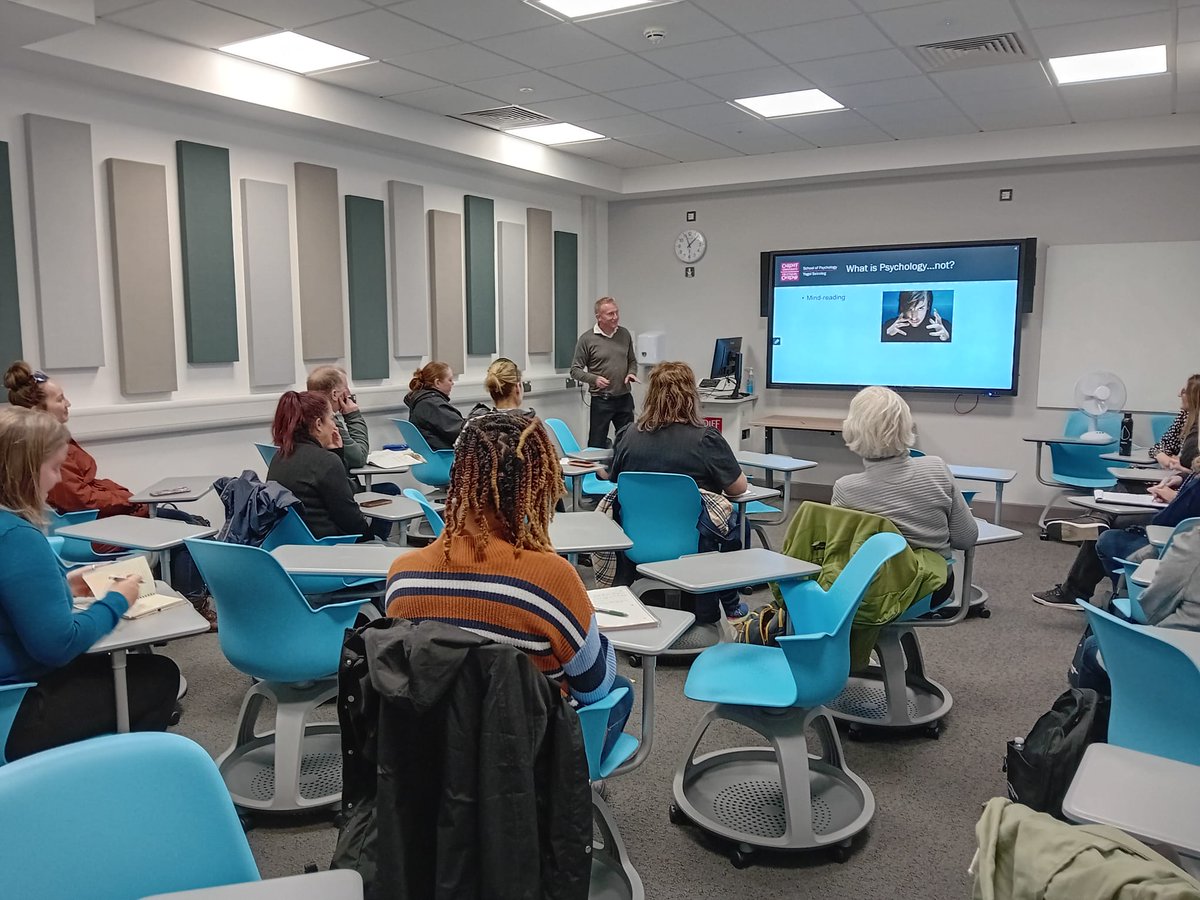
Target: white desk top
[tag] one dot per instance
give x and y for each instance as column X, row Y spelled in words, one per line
column 653, row 639
column 335, row 884
column 1158, row 535
column 396, row 509
column 1145, row 572
column 137, row 533
column 591, row 454
column 773, row 461
column 1148, row 476
column 572, row 471
column 168, row 624
column 1187, row 641
column 702, row 573
column 376, row 471
column 1110, row 509
column 983, row 473
column 994, row 534
column 1151, row 797
column 755, row 492
column 725, row 398
column 586, row 532
column 1134, row 459
column 196, row 487
column 346, row 560
column 1061, row 439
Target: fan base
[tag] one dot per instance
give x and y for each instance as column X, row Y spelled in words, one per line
column 1097, row 437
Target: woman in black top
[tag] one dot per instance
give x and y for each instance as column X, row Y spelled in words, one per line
column 309, row 465
column 429, row 407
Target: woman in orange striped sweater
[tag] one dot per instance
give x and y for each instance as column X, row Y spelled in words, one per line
column 494, row 572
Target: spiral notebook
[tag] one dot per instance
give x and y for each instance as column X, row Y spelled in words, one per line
column 618, row 608
column 149, row 600
column 1146, row 500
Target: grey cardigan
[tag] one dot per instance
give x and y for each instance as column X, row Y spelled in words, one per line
column 1173, row 599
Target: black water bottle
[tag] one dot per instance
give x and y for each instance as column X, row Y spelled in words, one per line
column 1126, row 446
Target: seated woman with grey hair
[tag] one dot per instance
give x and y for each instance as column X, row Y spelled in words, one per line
column 919, row 495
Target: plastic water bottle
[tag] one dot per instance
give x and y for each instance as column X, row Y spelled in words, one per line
column 1126, row 445
column 749, row 382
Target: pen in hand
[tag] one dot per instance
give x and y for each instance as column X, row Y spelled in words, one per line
column 613, row 612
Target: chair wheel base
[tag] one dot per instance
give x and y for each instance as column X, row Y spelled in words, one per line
column 675, row 814
column 635, row 661
column 841, row 853
column 741, row 856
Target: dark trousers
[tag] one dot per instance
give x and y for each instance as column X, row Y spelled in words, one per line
column 607, row 409
column 77, row 702
column 1095, row 560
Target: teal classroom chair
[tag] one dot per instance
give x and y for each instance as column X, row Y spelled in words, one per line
column 592, row 486
column 1130, row 607
column 1078, row 468
column 75, row 551
column 267, row 452
column 291, row 529
column 269, row 632
column 11, row 696
column 1155, row 688
column 432, row 518
column 119, row 817
column 435, row 471
column 1159, row 423
column 779, row 797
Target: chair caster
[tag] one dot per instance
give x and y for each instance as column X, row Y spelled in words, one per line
column 741, row 856
column 840, row 853
column 933, row 730
column 984, row 613
column 675, row 814
column 635, row 660
column 855, row 733
column 246, row 820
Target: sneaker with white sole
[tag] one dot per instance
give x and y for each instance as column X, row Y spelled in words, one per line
column 1057, row 598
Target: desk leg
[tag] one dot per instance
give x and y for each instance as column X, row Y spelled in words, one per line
column 770, row 438
column 403, row 524
column 367, row 481
column 120, row 691
column 999, row 503
column 576, row 493
column 152, row 510
column 649, row 664
column 164, row 565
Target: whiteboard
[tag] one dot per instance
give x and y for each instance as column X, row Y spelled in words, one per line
column 1132, row 309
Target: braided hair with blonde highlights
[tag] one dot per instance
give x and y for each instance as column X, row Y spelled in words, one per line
column 505, row 465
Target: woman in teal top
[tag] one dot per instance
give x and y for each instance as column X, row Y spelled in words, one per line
column 43, row 638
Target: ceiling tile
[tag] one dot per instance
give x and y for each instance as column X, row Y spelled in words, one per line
column 757, row 15
column 671, row 95
column 753, row 83
column 580, row 109
column 474, row 20
column 682, row 23
column 1009, row 77
column 616, row 153
column 557, row 45
column 448, row 100
column 682, row 146
column 913, row 129
column 878, row 93
column 1044, row 13
column 378, row 79
column 698, row 118
column 191, row 23
column 1026, row 117
column 508, row 88
column 292, row 13
column 926, row 23
column 1125, row 98
column 1189, row 24
column 457, row 63
column 623, row 126
column 875, row 5
column 1044, row 97
column 897, row 113
column 1187, row 67
column 754, row 136
column 1107, row 34
column 612, row 74
column 834, row 129
column 108, row 7
column 822, row 40
column 379, row 35
column 858, row 68
column 727, row 54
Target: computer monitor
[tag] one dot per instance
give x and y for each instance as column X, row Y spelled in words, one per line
column 726, row 356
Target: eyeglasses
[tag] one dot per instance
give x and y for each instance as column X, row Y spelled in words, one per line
column 40, row 377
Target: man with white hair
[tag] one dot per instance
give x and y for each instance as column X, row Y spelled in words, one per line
column 604, row 358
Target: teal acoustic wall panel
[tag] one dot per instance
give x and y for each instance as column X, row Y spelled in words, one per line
column 566, row 297
column 10, row 307
column 410, row 280
column 267, row 277
column 479, row 245
column 366, row 275
column 141, row 265
column 539, row 268
column 206, row 243
column 66, row 262
column 319, row 262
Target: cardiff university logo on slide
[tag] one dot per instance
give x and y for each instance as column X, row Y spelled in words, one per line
column 789, row 271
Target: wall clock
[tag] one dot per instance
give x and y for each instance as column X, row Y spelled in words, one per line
column 690, row 245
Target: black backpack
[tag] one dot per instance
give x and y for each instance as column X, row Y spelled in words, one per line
column 1040, row 767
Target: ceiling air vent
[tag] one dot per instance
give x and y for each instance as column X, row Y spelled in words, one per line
column 969, row 52
column 504, row 117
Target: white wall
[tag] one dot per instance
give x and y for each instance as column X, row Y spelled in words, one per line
column 1149, row 200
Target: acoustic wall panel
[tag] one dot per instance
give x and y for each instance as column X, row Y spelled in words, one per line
column 267, row 271
column 141, row 265
column 410, row 280
column 446, row 286
column 366, row 276
column 10, row 307
column 510, row 247
column 539, row 269
column 206, row 242
column 66, row 264
column 319, row 255
column 566, row 297
column 479, row 232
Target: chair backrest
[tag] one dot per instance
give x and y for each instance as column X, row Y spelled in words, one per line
column 266, row 451
column 659, row 512
column 564, row 436
column 431, row 515
column 1155, row 689
column 435, row 471
column 1083, row 460
column 11, row 696
column 818, row 652
column 74, row 550
column 915, row 453
column 146, row 813
column 1185, row 525
column 268, row 630
column 292, row 529
column 1159, row 423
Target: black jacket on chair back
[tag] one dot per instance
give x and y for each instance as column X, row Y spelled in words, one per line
column 464, row 772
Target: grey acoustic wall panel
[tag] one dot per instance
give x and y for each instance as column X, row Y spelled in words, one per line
column 366, row 277
column 206, row 241
column 539, row 268
column 319, row 255
column 410, row 280
column 267, row 270
column 510, row 251
column 479, row 233
column 10, row 306
column 141, row 264
column 566, row 297
column 66, row 264
column 446, row 286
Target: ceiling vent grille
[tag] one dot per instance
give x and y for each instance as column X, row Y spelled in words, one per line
column 502, row 118
column 969, row 52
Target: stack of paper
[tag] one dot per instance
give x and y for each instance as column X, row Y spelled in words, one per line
column 618, row 607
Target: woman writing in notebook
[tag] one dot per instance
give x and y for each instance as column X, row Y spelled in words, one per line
column 43, row 638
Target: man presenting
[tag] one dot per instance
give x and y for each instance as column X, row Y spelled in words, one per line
column 604, row 358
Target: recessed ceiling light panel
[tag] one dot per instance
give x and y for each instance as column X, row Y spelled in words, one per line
column 578, row 10
column 557, row 133
column 791, row 103
column 294, row 52
column 1113, row 64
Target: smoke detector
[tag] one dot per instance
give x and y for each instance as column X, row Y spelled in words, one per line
column 655, row 34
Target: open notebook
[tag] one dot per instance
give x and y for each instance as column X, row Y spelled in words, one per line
column 1129, row 499
column 617, row 608
column 149, row 600
column 394, row 459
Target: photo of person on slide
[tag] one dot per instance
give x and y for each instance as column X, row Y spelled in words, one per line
column 917, row 316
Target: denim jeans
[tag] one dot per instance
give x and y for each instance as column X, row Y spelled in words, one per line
column 619, row 714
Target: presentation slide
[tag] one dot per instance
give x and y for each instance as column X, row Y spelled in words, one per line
column 934, row 317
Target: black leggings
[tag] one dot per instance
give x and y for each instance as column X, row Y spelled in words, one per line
column 77, row 702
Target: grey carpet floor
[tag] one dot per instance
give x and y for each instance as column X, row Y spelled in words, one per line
column 1003, row 673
